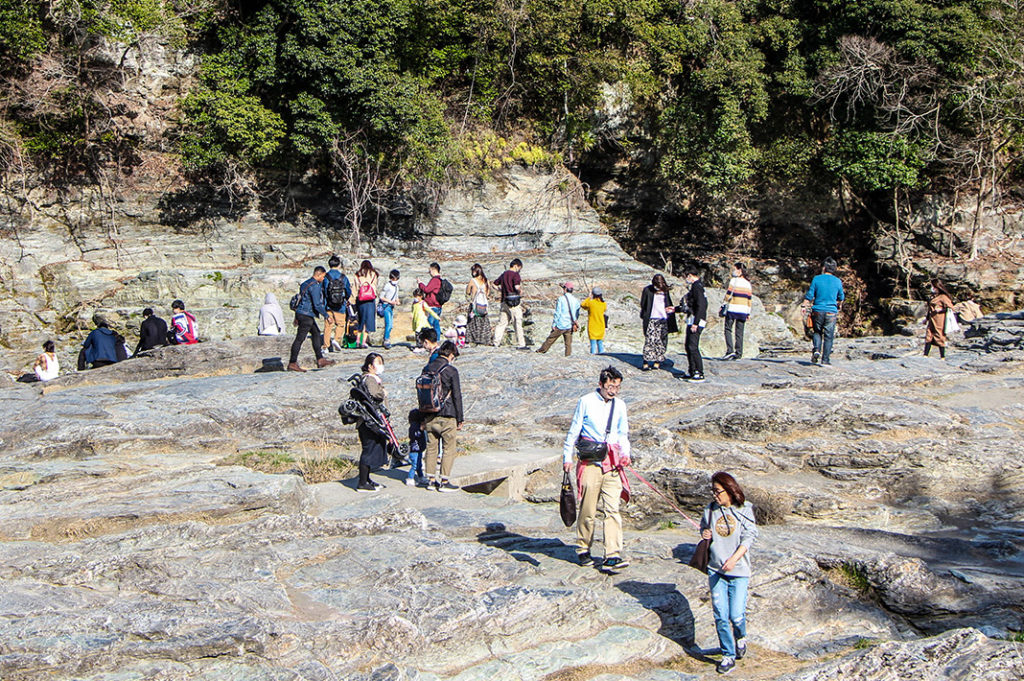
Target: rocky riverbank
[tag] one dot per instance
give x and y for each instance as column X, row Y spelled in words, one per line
column 135, row 545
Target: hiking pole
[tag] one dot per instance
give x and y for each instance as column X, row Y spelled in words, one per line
column 662, row 495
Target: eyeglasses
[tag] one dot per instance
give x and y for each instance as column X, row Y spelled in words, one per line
column 716, row 492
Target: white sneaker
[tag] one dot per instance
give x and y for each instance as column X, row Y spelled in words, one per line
column 410, row 482
column 336, row 345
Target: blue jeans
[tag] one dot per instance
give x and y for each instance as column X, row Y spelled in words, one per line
column 729, row 600
column 597, row 346
column 389, row 318
column 824, row 325
column 415, row 464
column 436, row 323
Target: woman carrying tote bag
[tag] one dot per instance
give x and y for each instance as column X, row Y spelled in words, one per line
column 728, row 521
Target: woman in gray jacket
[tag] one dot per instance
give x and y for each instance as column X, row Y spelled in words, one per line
column 728, row 521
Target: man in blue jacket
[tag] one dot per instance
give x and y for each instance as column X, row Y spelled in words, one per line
column 311, row 305
column 824, row 298
column 100, row 347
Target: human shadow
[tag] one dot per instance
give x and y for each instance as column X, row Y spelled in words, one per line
column 673, row 608
column 637, row 361
column 521, row 547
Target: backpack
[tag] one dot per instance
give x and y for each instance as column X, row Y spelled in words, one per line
column 429, row 391
column 296, row 300
column 444, row 294
column 336, row 294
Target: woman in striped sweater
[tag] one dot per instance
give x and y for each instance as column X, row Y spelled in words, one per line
column 737, row 310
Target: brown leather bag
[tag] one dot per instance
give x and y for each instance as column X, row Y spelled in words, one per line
column 701, row 556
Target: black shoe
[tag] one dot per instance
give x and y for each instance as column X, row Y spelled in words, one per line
column 735, row 357
column 645, row 367
column 613, row 564
column 376, row 485
column 741, row 649
column 447, row 487
column 368, row 487
column 815, row 356
column 584, row 559
column 729, row 355
column 726, row 665
column 696, row 378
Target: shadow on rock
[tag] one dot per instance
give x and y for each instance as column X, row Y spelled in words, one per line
column 521, row 547
column 677, row 621
column 637, row 361
column 270, row 364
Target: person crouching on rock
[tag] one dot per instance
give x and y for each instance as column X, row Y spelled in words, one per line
column 599, row 433
column 728, row 521
column 373, row 453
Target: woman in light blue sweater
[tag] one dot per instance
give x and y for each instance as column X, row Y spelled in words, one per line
column 728, row 521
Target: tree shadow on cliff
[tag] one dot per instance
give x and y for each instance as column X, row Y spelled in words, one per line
column 520, row 546
column 199, row 208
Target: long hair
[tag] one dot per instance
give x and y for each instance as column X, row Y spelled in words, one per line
column 365, row 268
column 940, row 287
column 477, row 271
column 659, row 283
column 731, row 487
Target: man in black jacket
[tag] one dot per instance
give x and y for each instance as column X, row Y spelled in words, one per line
column 152, row 332
column 697, row 319
column 441, row 427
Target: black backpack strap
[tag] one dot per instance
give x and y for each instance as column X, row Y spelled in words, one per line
column 608, row 427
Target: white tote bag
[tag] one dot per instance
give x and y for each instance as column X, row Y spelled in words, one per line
column 951, row 326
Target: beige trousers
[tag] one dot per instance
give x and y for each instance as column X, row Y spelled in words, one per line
column 440, row 429
column 334, row 327
column 514, row 315
column 600, row 492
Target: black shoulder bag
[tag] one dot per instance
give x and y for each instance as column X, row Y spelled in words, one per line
column 592, row 451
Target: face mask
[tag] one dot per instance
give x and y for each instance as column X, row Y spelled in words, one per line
column 380, row 369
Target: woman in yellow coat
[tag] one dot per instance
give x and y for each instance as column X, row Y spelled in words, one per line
column 595, row 307
column 939, row 306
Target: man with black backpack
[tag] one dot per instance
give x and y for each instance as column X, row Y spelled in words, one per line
column 599, row 436
column 436, row 293
column 307, row 304
column 337, row 292
column 439, row 394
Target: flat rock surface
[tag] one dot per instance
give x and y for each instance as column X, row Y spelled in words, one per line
column 135, row 547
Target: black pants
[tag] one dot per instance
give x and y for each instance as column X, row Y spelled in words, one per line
column 307, row 326
column 737, row 346
column 693, row 350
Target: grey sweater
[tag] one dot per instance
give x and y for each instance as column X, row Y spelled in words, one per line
column 731, row 527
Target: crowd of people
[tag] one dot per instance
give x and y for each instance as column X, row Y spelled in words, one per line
column 596, row 446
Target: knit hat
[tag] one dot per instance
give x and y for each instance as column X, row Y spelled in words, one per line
column 597, row 292
column 568, row 286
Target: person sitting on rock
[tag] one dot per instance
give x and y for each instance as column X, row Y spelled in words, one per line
column 152, row 332
column 728, row 521
column 563, row 322
column 46, row 366
column 271, row 317
column 102, row 346
column 311, row 305
column 599, row 436
column 184, row 330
